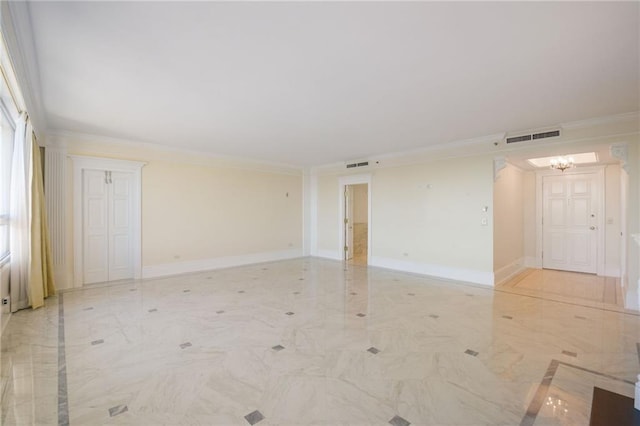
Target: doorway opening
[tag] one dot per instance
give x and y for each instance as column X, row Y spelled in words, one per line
column 356, row 221
column 572, row 228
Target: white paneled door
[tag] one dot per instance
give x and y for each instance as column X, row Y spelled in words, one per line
column 569, row 224
column 107, row 226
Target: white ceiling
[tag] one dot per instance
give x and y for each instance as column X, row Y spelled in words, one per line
column 309, row 83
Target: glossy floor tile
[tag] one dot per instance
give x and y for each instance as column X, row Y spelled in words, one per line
column 570, row 287
column 311, row 341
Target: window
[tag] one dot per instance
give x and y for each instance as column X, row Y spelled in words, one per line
column 6, row 151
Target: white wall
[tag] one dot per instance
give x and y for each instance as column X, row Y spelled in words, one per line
column 201, row 213
column 508, row 223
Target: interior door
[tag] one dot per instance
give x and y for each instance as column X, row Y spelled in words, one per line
column 570, row 212
column 95, row 227
column 120, row 229
column 107, row 226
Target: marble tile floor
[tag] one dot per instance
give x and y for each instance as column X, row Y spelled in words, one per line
column 569, row 287
column 311, row 341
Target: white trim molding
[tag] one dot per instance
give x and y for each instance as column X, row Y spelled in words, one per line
column 81, row 163
column 508, row 271
column 329, row 254
column 56, row 204
column 599, row 121
column 437, row 271
column 167, row 269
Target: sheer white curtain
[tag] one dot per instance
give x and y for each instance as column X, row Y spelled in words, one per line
column 19, row 215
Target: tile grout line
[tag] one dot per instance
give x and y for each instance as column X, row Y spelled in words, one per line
column 597, row 373
column 536, row 403
column 63, row 396
column 565, row 302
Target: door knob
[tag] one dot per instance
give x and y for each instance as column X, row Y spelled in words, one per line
column 592, row 228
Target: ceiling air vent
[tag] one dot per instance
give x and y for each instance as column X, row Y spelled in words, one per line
column 535, row 136
column 361, row 164
column 551, row 134
column 519, row 139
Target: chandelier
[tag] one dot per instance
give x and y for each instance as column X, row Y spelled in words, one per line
column 562, row 163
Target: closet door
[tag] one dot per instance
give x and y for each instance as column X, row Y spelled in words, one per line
column 95, row 227
column 120, row 229
column 107, row 226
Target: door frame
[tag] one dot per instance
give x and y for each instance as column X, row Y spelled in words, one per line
column 343, row 182
column 82, row 163
column 600, row 239
column 348, row 231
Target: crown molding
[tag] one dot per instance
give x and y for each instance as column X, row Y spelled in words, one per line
column 64, row 138
column 599, row 121
column 444, row 147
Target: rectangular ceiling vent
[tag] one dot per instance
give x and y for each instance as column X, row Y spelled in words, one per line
column 360, row 164
column 543, row 135
column 519, row 139
column 535, row 136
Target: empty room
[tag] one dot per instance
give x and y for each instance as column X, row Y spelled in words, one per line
column 319, row 213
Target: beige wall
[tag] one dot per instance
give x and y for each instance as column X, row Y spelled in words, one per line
column 612, row 220
column 508, row 219
column 632, row 299
column 197, row 209
column 328, row 216
column 197, row 212
column 431, row 213
column 529, row 216
column 424, row 217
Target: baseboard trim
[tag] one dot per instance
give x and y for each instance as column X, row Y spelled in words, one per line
column 154, row 271
column 509, row 271
column 632, row 298
column 437, row 271
column 612, row 271
column 328, row 254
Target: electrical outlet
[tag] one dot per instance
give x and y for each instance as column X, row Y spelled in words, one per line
column 5, row 301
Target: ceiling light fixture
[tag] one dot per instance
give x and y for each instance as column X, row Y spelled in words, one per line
column 562, row 163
